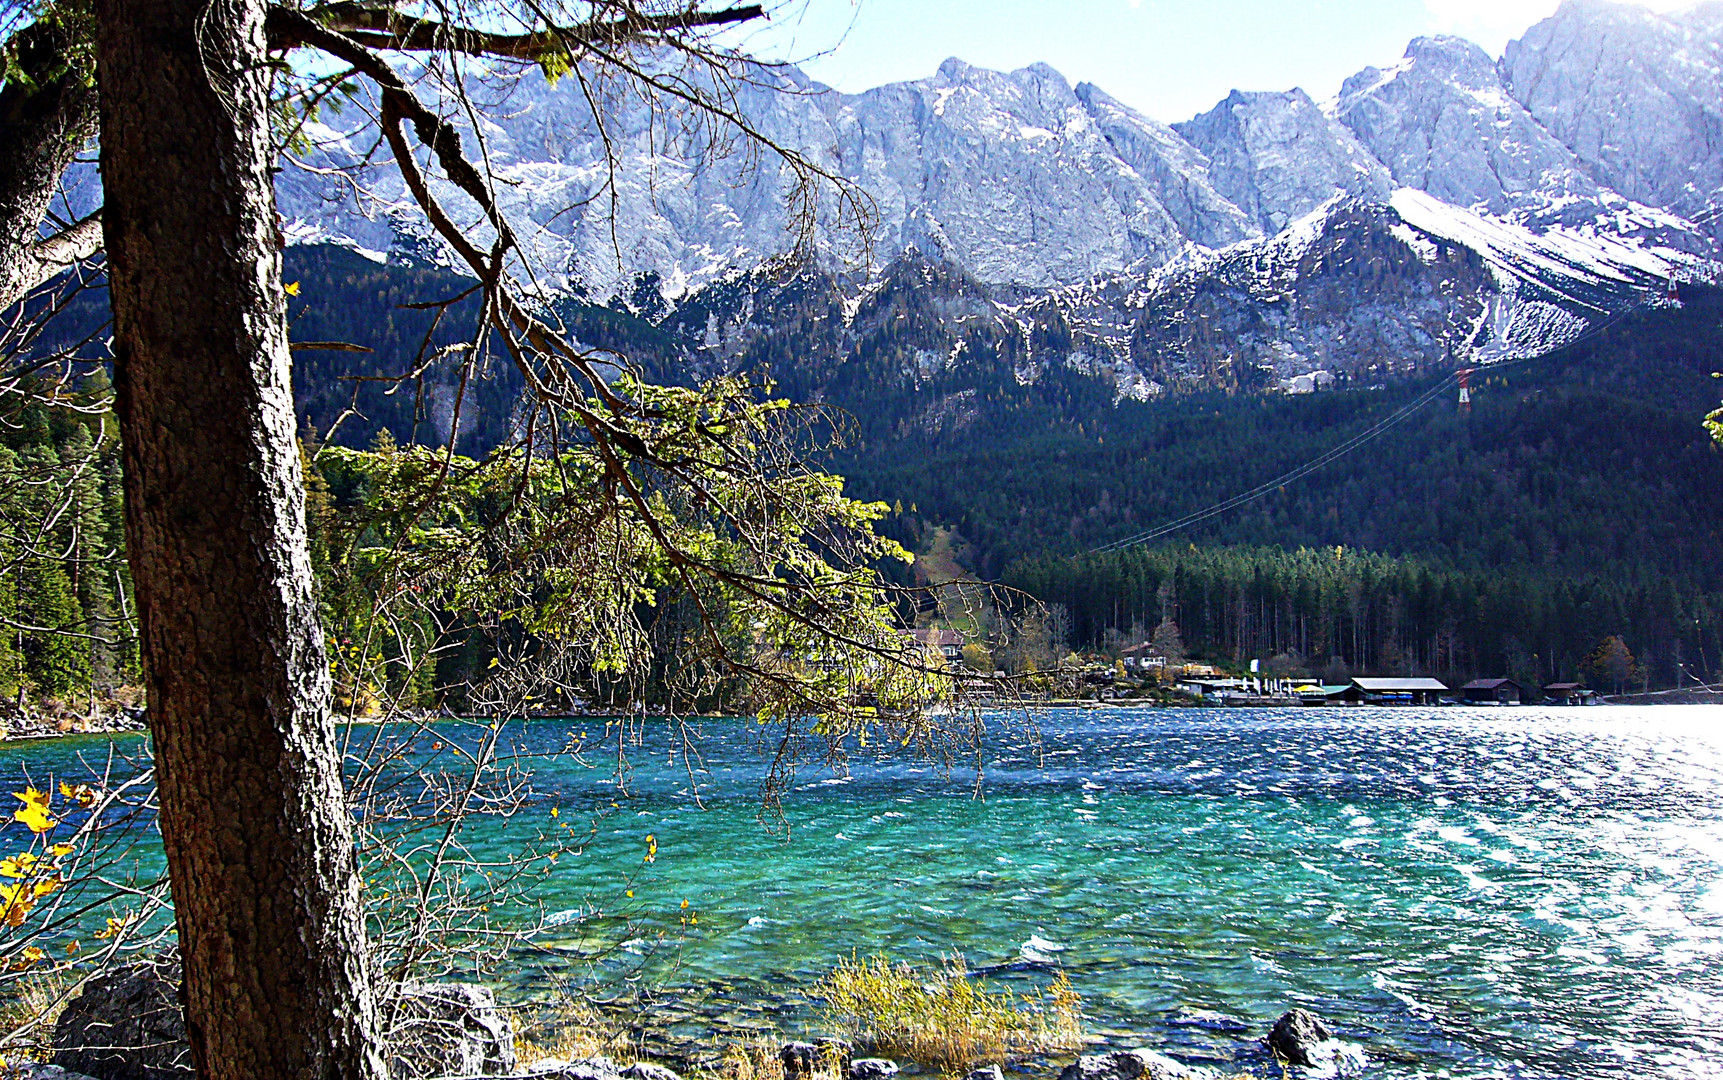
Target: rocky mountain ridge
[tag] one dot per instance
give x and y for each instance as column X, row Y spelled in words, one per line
column 1450, row 209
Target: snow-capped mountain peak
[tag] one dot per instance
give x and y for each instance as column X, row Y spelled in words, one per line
column 1449, row 206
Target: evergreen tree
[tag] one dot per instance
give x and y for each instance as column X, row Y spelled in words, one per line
column 12, row 677
column 90, row 552
column 56, row 657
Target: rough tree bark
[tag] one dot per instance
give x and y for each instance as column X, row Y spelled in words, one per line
column 259, row 846
column 44, row 122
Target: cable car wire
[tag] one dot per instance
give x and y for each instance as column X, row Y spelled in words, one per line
column 1349, row 445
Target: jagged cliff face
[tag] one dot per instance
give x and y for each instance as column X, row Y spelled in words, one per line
column 1637, row 96
column 1278, row 157
column 1442, row 121
column 1449, row 209
column 1364, row 295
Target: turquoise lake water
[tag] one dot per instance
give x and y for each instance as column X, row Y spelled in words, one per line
column 1470, row 893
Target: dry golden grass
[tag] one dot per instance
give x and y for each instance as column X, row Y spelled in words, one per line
column 945, row 1019
column 756, row 1058
column 40, row 998
column 569, row 1030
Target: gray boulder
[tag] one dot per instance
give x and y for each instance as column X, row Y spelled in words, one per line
column 126, row 1024
column 647, row 1070
column 449, row 1029
column 799, row 1059
column 1130, row 1065
column 1296, row 1036
column 37, row 1070
column 988, row 1072
column 872, row 1069
column 592, row 1068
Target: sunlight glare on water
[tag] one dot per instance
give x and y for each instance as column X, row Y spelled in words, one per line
column 1522, row 892
column 1506, row 892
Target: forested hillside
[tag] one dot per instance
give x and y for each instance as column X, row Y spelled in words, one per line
column 1574, row 498
column 1590, row 462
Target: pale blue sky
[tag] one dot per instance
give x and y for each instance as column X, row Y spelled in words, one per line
column 1168, row 58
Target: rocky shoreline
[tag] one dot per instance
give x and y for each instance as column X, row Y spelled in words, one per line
column 17, row 725
column 126, row 1024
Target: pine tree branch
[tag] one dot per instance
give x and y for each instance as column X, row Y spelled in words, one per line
column 388, row 29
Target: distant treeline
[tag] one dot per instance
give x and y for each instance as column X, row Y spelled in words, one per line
column 1340, row 612
column 64, row 587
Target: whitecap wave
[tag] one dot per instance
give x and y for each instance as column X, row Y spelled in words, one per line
column 1038, row 950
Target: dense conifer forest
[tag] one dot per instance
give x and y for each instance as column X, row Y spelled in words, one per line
column 64, row 591
column 1574, row 499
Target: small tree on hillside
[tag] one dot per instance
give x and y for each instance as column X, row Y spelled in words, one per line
column 1612, row 663
column 1168, row 641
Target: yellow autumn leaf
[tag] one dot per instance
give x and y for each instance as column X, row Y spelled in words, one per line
column 17, row 904
column 45, row 886
column 34, row 817
column 291, row 289
column 61, row 850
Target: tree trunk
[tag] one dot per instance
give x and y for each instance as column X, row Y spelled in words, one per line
column 253, row 818
column 44, row 122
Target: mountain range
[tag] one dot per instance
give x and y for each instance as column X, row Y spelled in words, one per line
column 1448, row 210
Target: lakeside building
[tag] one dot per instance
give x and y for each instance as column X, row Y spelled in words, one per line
column 1371, row 691
column 949, row 643
column 1143, row 659
column 1493, row 692
column 1418, row 691
column 1323, row 694
column 1214, row 688
column 1569, row 693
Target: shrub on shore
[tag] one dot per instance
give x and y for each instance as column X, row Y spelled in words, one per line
column 569, row 1030
column 945, row 1018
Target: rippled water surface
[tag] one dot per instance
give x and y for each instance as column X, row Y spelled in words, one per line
column 1508, row 892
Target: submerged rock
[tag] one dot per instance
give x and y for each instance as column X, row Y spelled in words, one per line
column 1130, row 1065
column 987, row 1072
column 872, row 1069
column 1301, row 1038
column 1295, row 1035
